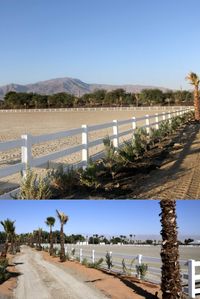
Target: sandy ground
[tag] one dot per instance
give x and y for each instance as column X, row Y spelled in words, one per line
column 42, row 279
column 13, row 125
column 45, row 277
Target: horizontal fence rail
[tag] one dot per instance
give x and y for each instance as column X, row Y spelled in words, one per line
column 27, row 141
column 128, row 108
column 188, row 267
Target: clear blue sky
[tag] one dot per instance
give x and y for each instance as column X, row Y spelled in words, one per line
column 109, row 41
column 109, row 217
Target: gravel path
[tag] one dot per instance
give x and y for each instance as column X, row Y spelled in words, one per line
column 41, row 279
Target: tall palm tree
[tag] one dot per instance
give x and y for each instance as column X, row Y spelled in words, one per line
column 50, row 221
column 39, row 238
column 171, row 278
column 194, row 80
column 9, row 229
column 63, row 220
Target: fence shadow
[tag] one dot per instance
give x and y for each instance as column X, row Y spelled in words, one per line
column 160, row 178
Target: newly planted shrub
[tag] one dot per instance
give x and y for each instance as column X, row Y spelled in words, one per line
column 84, row 262
column 141, row 270
column 140, row 141
column 4, row 274
column 111, row 160
column 109, row 260
column 63, row 180
column 33, row 187
column 96, row 265
column 89, row 176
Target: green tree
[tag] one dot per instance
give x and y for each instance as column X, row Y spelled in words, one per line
column 63, row 220
column 9, row 229
column 194, row 80
column 50, row 221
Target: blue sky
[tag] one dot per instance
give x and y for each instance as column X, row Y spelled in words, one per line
column 109, row 217
column 108, row 41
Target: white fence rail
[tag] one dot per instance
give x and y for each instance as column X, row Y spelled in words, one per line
column 27, row 141
column 130, row 108
column 188, row 267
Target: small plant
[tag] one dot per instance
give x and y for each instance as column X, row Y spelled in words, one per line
column 125, row 269
column 62, row 181
column 109, row 260
column 89, row 176
column 141, row 270
column 111, row 160
column 140, row 141
column 96, row 265
column 84, row 262
column 33, row 187
column 73, row 251
column 4, row 274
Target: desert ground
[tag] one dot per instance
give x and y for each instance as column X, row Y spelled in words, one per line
column 14, row 124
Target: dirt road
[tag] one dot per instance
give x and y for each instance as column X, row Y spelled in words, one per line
column 41, row 279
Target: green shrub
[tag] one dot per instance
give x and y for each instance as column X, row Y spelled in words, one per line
column 89, row 176
column 111, row 161
column 4, row 274
column 33, row 187
column 109, row 260
column 96, row 265
column 84, row 262
column 140, row 141
column 63, row 180
column 141, row 270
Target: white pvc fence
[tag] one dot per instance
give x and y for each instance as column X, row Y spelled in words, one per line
column 188, row 267
column 130, row 108
column 27, row 141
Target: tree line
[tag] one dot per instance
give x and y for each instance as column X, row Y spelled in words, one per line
column 98, row 98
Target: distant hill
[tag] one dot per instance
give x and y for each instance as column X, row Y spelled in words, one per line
column 69, row 85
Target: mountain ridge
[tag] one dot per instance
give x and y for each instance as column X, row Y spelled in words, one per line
column 70, row 85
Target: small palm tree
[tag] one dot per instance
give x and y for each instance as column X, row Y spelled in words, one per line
column 50, row 221
column 171, row 278
column 194, row 80
column 63, row 220
column 9, row 229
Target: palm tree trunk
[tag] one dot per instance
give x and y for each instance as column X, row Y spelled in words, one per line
column 51, row 242
column 196, row 104
column 5, row 249
column 62, row 245
column 171, row 279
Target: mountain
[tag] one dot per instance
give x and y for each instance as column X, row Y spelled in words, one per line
column 69, row 85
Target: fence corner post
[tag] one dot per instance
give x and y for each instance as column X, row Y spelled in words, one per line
column 115, row 133
column 26, row 153
column 85, row 145
column 191, row 278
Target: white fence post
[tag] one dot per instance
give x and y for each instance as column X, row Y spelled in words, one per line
column 115, row 133
column 26, row 152
column 81, row 255
column 85, row 145
column 139, row 257
column 147, row 123
column 93, row 256
column 191, row 278
column 163, row 116
column 134, row 123
column 169, row 116
column 157, row 120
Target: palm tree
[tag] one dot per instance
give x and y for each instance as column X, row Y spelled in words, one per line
column 171, row 278
column 50, row 221
column 39, row 238
column 9, row 229
column 194, row 80
column 63, row 220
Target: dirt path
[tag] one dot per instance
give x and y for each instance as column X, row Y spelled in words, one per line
column 178, row 179
column 41, row 279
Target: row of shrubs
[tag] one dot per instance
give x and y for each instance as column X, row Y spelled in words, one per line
column 4, row 274
column 61, row 182
column 141, row 269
